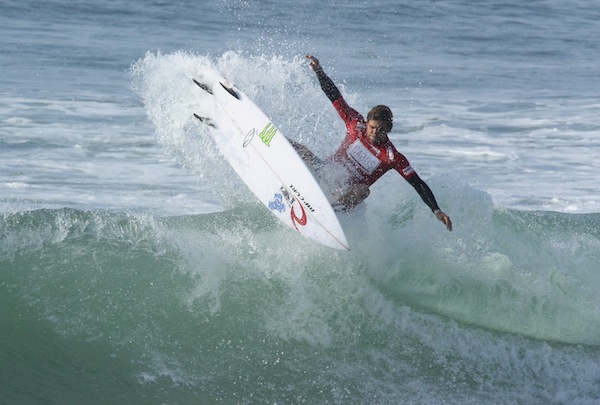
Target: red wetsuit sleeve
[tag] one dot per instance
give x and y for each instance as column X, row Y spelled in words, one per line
column 349, row 115
column 402, row 165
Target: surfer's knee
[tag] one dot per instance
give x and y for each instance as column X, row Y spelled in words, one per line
column 360, row 192
column 352, row 198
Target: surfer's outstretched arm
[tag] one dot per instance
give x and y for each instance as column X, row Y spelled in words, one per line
column 427, row 196
column 329, row 88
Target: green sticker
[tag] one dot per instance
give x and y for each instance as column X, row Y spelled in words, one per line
column 268, row 133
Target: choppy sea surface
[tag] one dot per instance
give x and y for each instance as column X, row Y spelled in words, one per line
column 135, row 267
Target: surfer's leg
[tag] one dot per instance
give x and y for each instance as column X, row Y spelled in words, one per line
column 357, row 194
column 306, row 154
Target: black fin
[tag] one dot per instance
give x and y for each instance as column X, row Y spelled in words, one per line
column 230, row 91
column 206, row 120
column 203, row 86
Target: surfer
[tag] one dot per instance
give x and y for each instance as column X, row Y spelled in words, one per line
column 366, row 153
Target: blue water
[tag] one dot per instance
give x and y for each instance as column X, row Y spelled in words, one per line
column 136, row 268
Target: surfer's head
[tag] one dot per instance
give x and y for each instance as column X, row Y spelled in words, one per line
column 383, row 114
column 379, row 122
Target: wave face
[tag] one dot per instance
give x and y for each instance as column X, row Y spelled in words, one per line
column 231, row 305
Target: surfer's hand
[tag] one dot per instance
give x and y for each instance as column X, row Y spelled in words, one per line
column 314, row 63
column 444, row 218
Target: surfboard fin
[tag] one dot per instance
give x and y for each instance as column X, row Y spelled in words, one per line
column 203, row 86
column 230, row 91
column 206, row 120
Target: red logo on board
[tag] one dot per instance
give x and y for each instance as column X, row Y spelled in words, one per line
column 300, row 221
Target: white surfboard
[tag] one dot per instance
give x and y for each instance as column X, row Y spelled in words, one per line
column 269, row 165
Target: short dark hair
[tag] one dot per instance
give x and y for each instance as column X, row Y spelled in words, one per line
column 381, row 113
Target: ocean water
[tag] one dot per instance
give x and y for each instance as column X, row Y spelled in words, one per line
column 136, row 268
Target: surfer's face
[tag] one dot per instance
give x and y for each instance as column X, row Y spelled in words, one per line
column 377, row 132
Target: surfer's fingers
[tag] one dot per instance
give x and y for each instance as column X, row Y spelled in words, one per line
column 448, row 223
column 445, row 219
column 314, row 62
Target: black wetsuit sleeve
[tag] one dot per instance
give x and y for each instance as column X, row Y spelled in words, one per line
column 329, row 88
column 424, row 191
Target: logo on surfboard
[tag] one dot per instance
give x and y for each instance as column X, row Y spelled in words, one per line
column 267, row 134
column 248, row 138
column 277, row 204
column 296, row 220
column 300, row 197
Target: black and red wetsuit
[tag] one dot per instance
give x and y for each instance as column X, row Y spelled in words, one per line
column 366, row 162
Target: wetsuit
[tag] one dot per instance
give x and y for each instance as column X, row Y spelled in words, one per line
column 366, row 162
